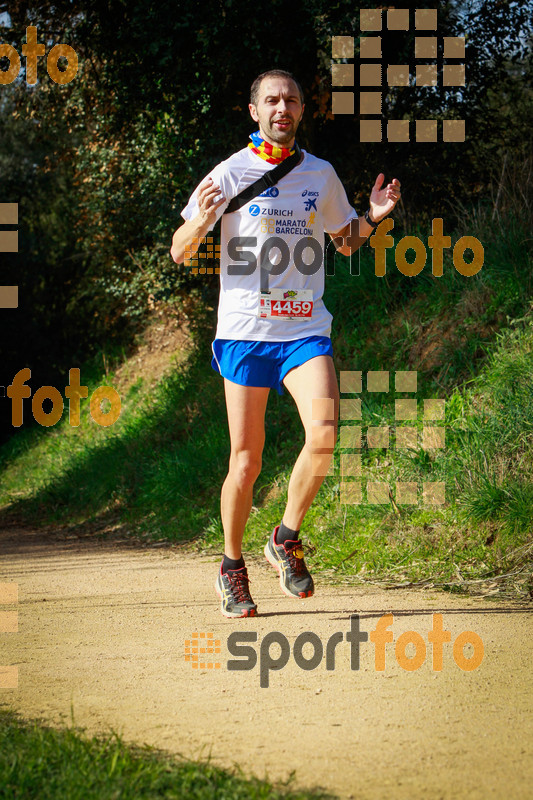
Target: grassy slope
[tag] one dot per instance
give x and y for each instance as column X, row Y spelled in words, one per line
column 160, row 467
column 39, row 762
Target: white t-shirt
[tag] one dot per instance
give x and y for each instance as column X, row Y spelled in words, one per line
column 302, row 205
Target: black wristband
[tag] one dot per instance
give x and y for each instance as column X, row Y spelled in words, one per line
column 370, row 220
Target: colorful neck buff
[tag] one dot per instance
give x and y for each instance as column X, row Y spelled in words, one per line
column 270, row 153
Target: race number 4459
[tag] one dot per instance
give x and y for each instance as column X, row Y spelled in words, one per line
column 286, row 303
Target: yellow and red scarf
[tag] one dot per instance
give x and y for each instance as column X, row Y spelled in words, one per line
column 267, row 151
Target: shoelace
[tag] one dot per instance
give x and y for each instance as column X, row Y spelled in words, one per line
column 239, row 582
column 297, row 564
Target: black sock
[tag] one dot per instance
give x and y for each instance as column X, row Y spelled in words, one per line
column 231, row 563
column 285, row 534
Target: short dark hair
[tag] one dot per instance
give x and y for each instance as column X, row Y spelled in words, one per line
column 272, row 73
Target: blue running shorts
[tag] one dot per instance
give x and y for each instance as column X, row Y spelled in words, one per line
column 265, row 363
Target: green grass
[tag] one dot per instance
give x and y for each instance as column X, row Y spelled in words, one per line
column 37, row 761
column 159, row 468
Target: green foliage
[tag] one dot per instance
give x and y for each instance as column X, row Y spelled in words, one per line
column 159, row 468
column 102, row 166
column 494, row 438
column 38, row 761
column 101, row 169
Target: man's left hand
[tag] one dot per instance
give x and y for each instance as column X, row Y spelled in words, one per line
column 383, row 200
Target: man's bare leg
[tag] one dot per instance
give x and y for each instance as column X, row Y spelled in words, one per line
column 314, row 380
column 313, row 386
column 246, row 407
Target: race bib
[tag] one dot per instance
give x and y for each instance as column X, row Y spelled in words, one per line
column 286, row 304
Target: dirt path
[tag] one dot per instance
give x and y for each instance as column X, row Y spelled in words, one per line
column 102, row 628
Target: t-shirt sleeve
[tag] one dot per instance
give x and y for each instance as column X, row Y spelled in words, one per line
column 337, row 211
column 221, row 177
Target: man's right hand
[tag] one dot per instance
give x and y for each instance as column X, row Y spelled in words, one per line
column 207, row 192
column 187, row 238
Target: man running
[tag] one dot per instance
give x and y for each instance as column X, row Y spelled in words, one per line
column 273, row 328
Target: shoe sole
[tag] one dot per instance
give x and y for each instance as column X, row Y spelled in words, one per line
column 233, row 614
column 272, row 560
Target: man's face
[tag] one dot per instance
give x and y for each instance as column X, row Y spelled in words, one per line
column 278, row 111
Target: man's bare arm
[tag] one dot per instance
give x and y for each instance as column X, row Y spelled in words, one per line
column 186, row 239
column 352, row 236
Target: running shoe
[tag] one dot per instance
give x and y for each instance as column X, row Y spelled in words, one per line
column 235, row 598
column 288, row 560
